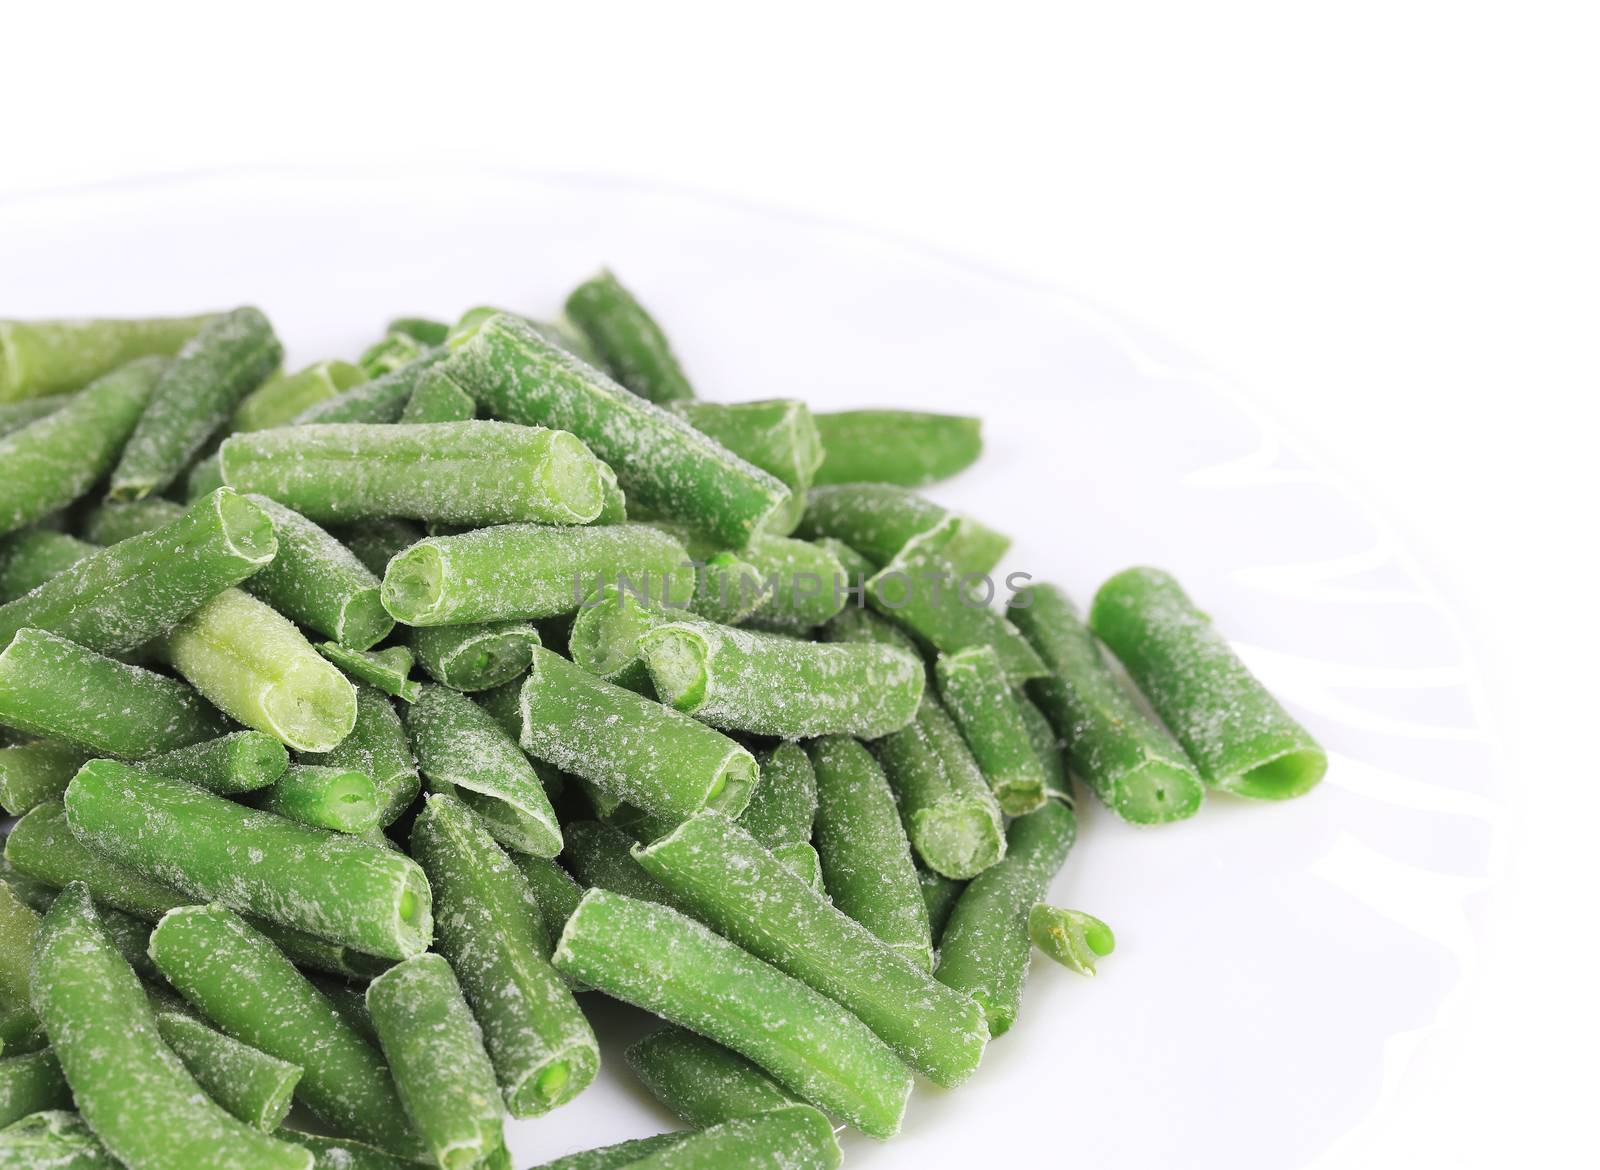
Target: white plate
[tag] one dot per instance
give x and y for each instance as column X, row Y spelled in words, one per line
column 1276, row 964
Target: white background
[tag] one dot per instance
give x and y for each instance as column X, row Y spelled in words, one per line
column 1381, row 218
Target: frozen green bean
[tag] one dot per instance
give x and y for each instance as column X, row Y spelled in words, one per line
column 979, row 698
column 19, row 924
column 739, row 889
column 283, row 396
column 866, row 859
column 1133, row 764
column 804, row 582
column 437, row 399
column 247, row 988
column 701, row 1082
column 122, row 596
column 614, row 1157
column 801, row 858
column 605, row 634
column 796, row 1137
column 985, row 947
column 554, row 890
column 459, row 473
column 135, row 1094
column 907, row 447
column 435, row 1050
column 662, row 462
column 32, row 773
column 319, row 583
column 939, row 894
column 601, row 856
column 1070, row 937
column 855, row 624
column 474, row 657
column 342, row 800
column 112, row 523
column 254, row 664
column 878, row 520
column 61, row 690
column 525, row 571
column 459, row 746
column 389, row 353
column 31, row 1084
column 659, row 960
column 328, row 884
column 254, row 1087
column 389, row 669
column 381, row 400
column 543, row 1051
column 951, row 817
column 1240, row 738
column 613, row 500
column 377, row 747
column 52, row 461
column 771, row 684
column 784, row 802
column 241, row 761
column 923, row 590
column 1046, row 746
column 424, row 329
column 43, row 358
column 656, row 759
column 16, row 415
column 777, row 435
column 196, row 394
column 30, row 558
column 53, row 1140
column 627, row 339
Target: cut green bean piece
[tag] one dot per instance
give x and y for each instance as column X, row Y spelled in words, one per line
column 866, row 859
column 328, row 884
column 862, row 625
column 728, row 881
column 922, row 590
column 43, row 358
column 19, row 925
column 378, row 747
column 458, row 473
column 605, row 634
column 279, row 399
column 241, row 761
column 30, row 558
column 542, row 1048
column 424, row 329
column 771, row 684
column 627, row 339
column 561, row 334
column 16, row 415
column 777, row 436
column 907, row 447
column 389, row 669
column 554, row 890
column 979, row 698
column 459, row 745
column 350, row 1001
column 701, row 1082
column 784, row 802
column 602, row 858
column 54, row 460
column 613, row 500
column 381, row 400
column 802, row 860
column 53, row 1140
column 339, row 799
column 529, row 571
column 113, row 523
column 1239, row 736
column 435, row 1050
column 247, row 988
column 437, row 399
column 391, row 352
column 135, row 1094
column 1133, row 764
column 32, row 773
column 952, row 818
column 474, row 657
column 804, row 583
column 728, row 588
column 662, row 462
column 1070, row 937
column 61, row 690
column 659, row 960
column 878, row 520
column 794, row 1136
column 254, row 664
column 615, row 1157
column 985, row 947
column 656, row 759
column 1046, row 746
column 31, row 1084
column 254, row 1087
column 121, row 597
column 196, row 394
column 318, row 582
column 939, row 894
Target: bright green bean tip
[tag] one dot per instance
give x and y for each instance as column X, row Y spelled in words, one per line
column 1156, row 792
column 412, row 583
column 245, row 527
column 676, row 657
column 1291, row 774
column 1070, row 937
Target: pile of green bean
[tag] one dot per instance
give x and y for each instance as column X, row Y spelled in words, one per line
column 359, row 719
